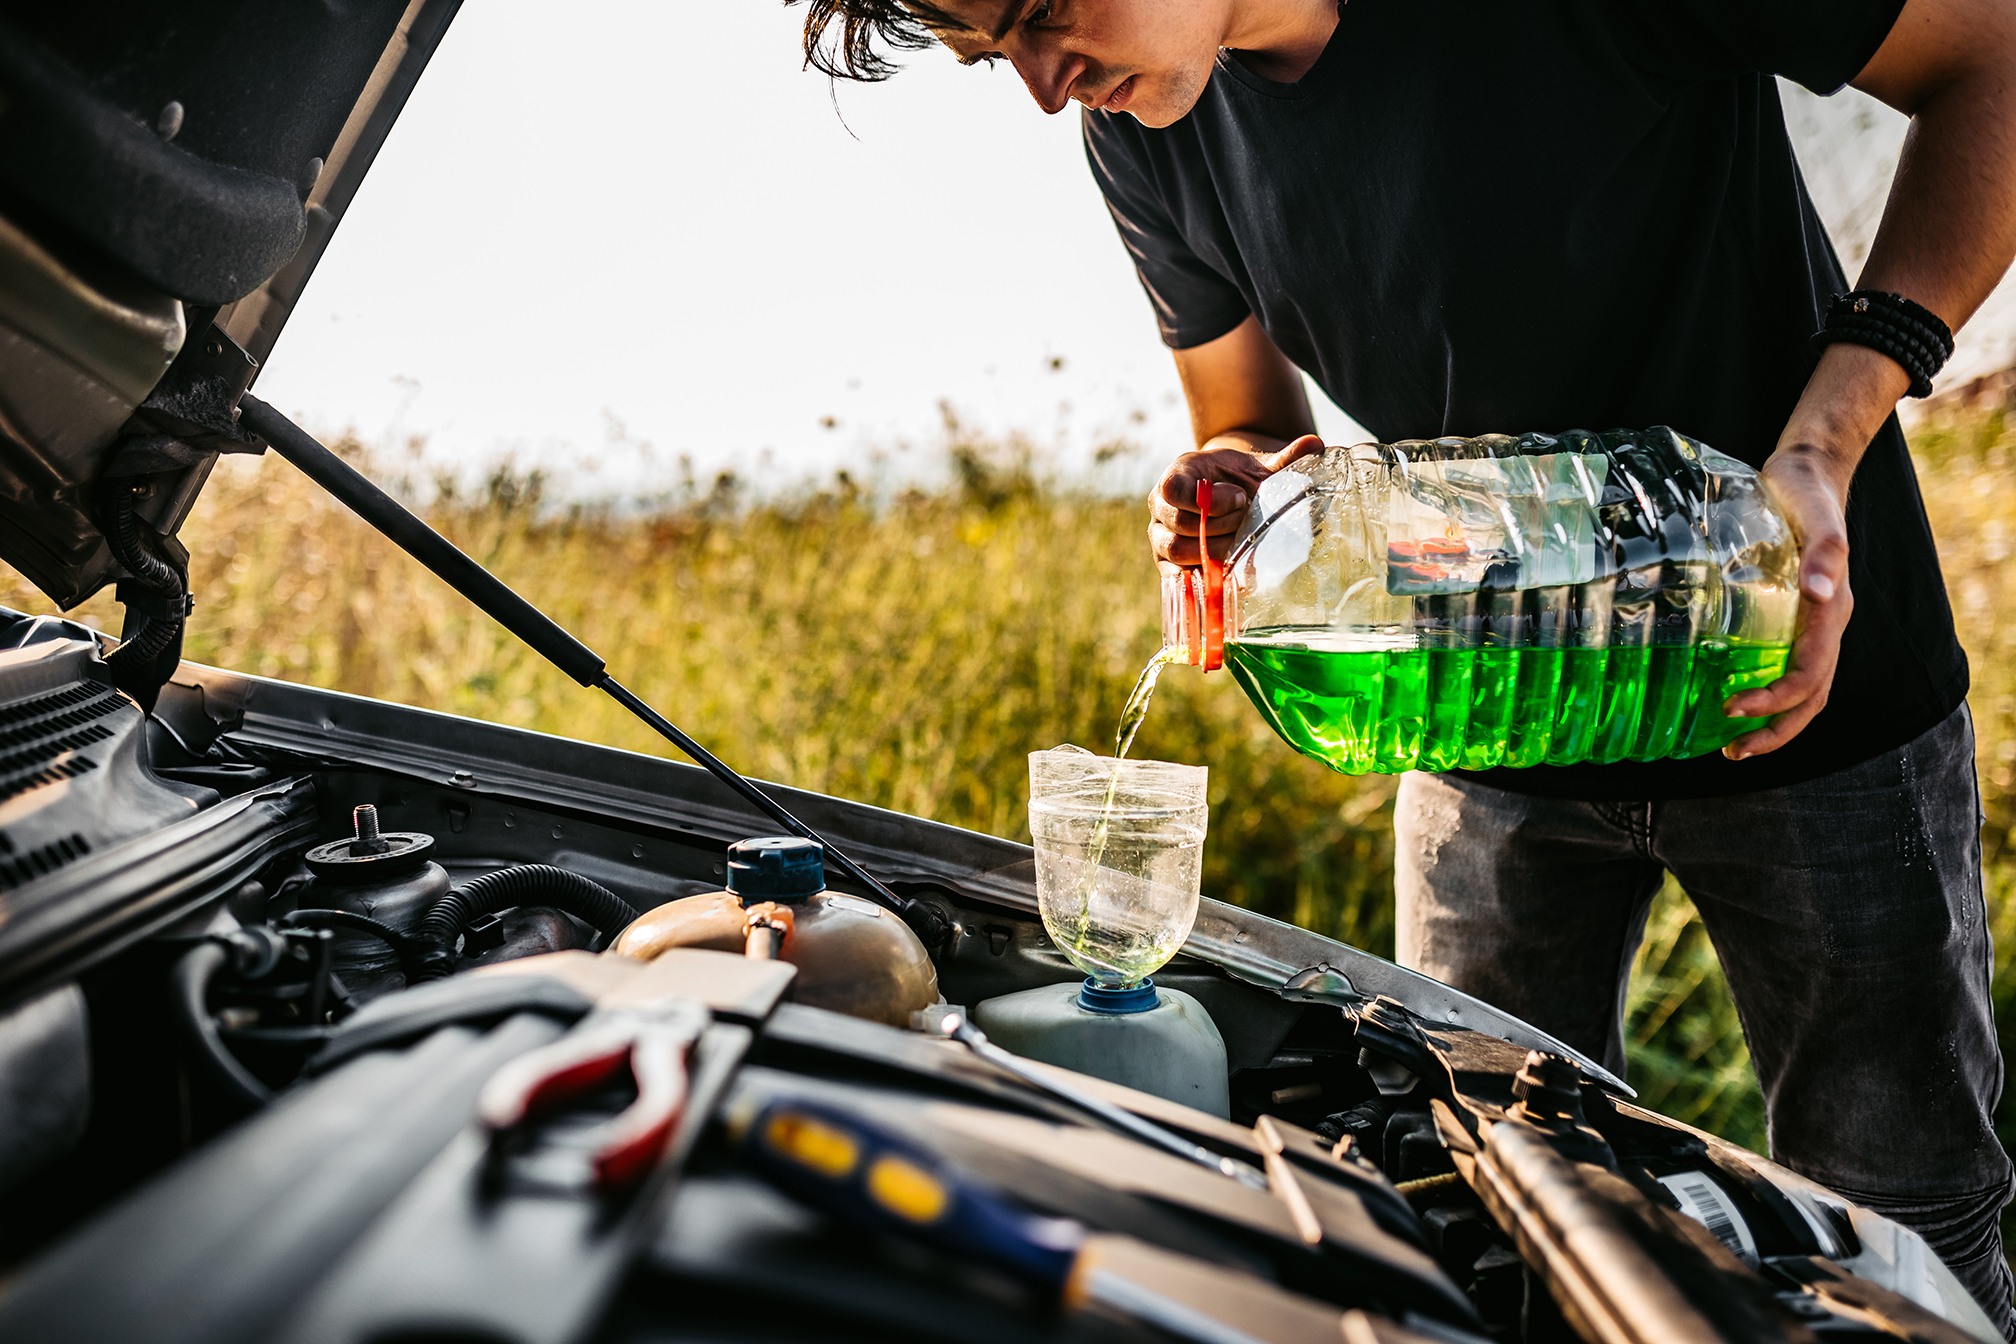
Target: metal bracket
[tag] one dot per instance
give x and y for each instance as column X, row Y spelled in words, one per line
column 196, row 401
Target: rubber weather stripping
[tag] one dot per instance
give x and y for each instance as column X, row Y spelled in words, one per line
column 538, row 630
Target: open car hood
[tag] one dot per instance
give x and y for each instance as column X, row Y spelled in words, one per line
column 164, row 193
column 169, row 177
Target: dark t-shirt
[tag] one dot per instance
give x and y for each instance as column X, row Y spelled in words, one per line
column 1475, row 216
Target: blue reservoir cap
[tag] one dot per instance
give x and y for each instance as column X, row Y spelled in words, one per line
column 1094, row 997
column 776, row 868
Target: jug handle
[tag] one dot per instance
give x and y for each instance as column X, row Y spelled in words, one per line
column 1211, row 578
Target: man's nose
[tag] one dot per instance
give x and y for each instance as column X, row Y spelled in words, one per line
column 1048, row 76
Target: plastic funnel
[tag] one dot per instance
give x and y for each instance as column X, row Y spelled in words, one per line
column 1119, row 858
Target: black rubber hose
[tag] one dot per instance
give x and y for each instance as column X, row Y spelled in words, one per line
column 526, row 884
column 147, row 643
column 150, row 572
column 413, row 956
column 192, row 977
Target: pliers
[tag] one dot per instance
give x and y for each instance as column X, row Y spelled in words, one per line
column 651, row 1040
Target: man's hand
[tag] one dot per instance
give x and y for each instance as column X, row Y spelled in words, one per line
column 1250, row 418
column 1811, row 485
column 1233, row 462
column 1846, row 401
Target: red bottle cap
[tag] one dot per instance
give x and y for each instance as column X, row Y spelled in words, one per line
column 1212, row 576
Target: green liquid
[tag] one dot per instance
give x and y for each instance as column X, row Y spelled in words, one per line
column 1389, row 710
column 1720, row 671
column 1138, row 700
column 1577, row 702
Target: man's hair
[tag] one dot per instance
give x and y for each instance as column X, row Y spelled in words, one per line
column 841, row 35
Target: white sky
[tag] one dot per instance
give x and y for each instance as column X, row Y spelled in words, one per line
column 645, row 224
column 648, row 213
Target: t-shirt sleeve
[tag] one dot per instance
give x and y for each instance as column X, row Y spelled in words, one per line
column 1193, row 302
column 1821, row 44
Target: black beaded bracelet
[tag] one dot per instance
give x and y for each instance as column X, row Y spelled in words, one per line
column 1896, row 311
column 1893, row 325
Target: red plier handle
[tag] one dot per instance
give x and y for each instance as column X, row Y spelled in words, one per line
column 1211, row 576
column 651, row 1042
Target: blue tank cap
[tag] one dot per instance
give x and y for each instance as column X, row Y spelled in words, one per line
column 776, row 868
column 1097, row 998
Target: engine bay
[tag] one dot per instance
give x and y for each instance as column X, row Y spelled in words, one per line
column 268, row 947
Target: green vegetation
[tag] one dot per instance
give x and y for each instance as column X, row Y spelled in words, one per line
column 910, row 652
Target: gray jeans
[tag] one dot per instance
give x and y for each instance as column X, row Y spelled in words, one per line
column 1848, row 916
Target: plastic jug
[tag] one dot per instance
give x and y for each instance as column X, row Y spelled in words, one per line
column 1154, row 1040
column 1469, row 603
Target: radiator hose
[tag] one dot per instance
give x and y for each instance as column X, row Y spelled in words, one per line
column 509, row 888
column 191, row 979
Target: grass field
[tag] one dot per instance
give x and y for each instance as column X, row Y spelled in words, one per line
column 909, row 652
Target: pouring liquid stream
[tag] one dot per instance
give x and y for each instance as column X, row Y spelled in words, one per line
column 1132, row 714
column 1136, row 709
column 1131, row 718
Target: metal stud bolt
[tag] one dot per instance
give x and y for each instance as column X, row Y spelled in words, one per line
column 365, row 817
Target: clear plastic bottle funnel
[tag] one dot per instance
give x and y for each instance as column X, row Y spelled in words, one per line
column 1119, row 858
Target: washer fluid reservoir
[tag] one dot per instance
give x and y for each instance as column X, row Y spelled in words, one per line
column 1159, row 1041
column 1499, row 601
column 1119, row 859
column 853, row 956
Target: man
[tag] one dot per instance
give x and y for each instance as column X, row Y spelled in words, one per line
column 1472, row 216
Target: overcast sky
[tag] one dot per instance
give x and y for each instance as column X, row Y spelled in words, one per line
column 643, row 223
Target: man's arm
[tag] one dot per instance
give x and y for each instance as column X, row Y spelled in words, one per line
column 1948, row 234
column 1250, row 418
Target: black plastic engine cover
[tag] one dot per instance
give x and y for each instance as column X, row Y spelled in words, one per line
column 73, row 776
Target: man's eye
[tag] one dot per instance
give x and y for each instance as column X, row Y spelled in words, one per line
column 984, row 58
column 1042, row 12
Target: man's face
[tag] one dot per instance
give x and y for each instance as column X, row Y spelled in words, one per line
column 1148, row 57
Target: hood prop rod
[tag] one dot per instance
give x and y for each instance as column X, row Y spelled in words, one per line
column 406, row 531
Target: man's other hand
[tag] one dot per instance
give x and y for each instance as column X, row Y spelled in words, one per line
column 1811, row 486
column 1236, row 470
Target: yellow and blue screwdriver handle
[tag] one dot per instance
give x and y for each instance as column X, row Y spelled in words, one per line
column 867, row 1175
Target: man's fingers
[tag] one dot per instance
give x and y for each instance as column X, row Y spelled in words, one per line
column 1802, row 682
column 1178, row 490
column 1815, row 654
column 1234, row 475
column 1165, row 514
column 1798, row 696
column 1804, row 678
column 1781, row 696
column 1180, row 548
column 1776, row 733
column 1178, row 520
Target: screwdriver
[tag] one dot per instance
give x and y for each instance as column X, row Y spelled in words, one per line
column 866, row 1174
